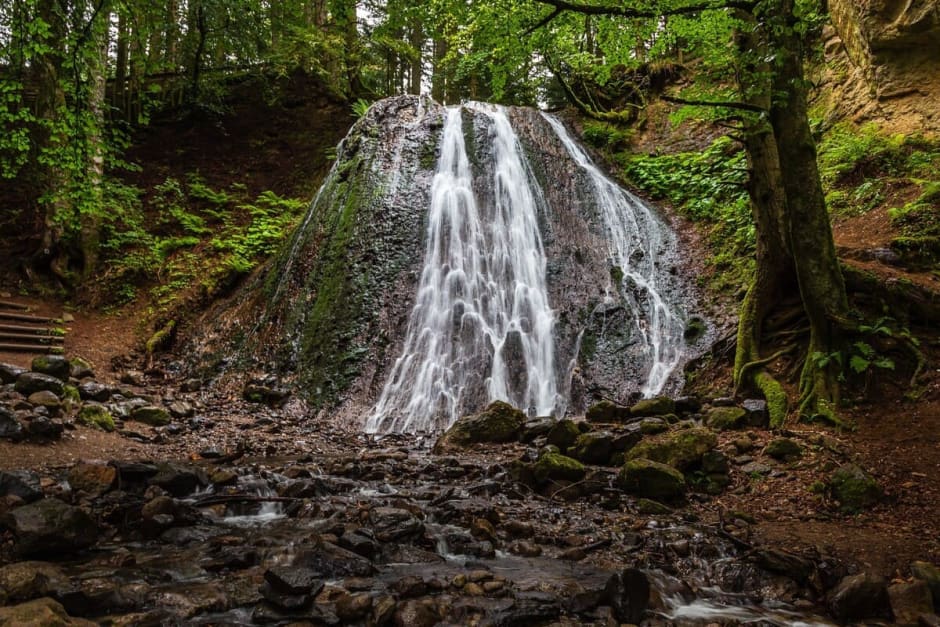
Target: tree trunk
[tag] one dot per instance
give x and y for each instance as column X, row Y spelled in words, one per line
column 817, row 269
column 416, row 39
column 120, row 65
column 439, row 71
column 90, row 218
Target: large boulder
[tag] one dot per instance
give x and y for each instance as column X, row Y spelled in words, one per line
column 10, row 427
column 563, row 434
column 557, row 467
column 910, row 601
column 9, row 373
column 854, row 489
column 607, row 411
column 30, row 382
column 53, row 365
column 659, row 406
column 499, row 422
column 681, row 449
column 50, row 527
column 92, row 477
column 652, row 480
column 724, row 418
column 628, row 594
column 859, row 596
column 594, row 447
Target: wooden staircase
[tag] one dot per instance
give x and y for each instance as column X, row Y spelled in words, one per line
column 23, row 332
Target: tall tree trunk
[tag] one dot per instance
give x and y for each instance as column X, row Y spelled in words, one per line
column 416, row 39
column 90, row 218
column 120, row 64
column 822, row 287
column 439, row 71
column 171, row 60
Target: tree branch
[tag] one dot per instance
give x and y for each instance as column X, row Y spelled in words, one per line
column 743, row 106
column 622, row 11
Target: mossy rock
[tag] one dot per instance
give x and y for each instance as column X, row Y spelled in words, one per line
column 96, row 416
column 652, row 480
column 783, row 449
column 557, row 467
column 650, row 507
column 680, row 449
column 150, row 415
column 607, row 411
column 563, row 434
column 653, row 426
column 593, row 448
column 726, row 418
column 499, row 422
column 659, row 406
column 854, row 489
column 81, row 368
column 53, row 365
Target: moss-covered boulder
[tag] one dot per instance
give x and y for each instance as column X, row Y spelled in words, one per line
column 783, row 449
column 681, row 449
column 563, row 434
column 726, row 418
column 53, row 365
column 30, row 382
column 594, row 447
column 94, row 415
column 653, row 426
column 557, row 467
column 607, row 411
column 499, row 422
column 80, row 368
column 151, row 415
column 659, row 406
column 854, row 489
column 651, row 480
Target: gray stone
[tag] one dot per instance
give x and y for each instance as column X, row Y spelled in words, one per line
column 628, row 593
column 94, row 391
column 859, row 596
column 50, row 527
column 910, row 601
column 24, row 484
column 30, row 382
column 9, row 373
column 10, row 427
column 53, row 365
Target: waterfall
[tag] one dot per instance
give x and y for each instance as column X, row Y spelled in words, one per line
column 635, row 237
column 481, row 325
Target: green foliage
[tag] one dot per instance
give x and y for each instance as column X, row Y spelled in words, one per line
column 707, row 187
column 360, row 107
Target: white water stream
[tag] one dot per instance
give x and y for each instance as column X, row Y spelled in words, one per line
column 481, row 315
column 635, row 237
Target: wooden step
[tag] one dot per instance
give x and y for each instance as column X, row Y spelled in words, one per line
column 20, row 328
column 25, row 338
column 8, row 304
column 7, row 315
column 27, row 348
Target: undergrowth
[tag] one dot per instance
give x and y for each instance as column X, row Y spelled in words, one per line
column 708, row 188
column 185, row 243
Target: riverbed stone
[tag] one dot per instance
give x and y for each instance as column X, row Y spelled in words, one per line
column 682, row 449
column 594, row 447
column 352, row 607
column 536, row 427
column 151, row 415
column 607, row 411
column 23, row 484
column 628, row 594
column 43, row 612
column 854, row 489
column 859, row 596
column 23, row 581
column 50, row 527
column 910, row 601
column 95, row 415
column 558, row 467
column 53, row 365
column 929, row 573
column 30, row 382
column 726, row 418
column 9, row 373
column 178, row 479
column 563, row 434
column 92, row 477
column 651, row 479
column 498, row 422
column 658, row 406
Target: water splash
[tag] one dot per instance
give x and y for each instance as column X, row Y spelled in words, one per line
column 635, row 237
column 481, row 325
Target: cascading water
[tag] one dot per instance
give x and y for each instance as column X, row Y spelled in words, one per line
column 481, row 317
column 635, row 235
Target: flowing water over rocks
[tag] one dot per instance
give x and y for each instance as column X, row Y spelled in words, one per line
column 458, row 256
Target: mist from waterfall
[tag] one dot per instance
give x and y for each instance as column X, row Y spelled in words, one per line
column 635, row 237
column 481, row 324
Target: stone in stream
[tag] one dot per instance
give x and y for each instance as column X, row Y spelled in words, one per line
column 392, row 524
column 910, row 601
column 23, row 484
column 30, row 382
column 42, row 612
column 329, row 560
column 22, row 581
column 53, row 365
column 50, row 527
column 499, row 422
column 352, row 607
column 178, row 479
column 859, row 596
